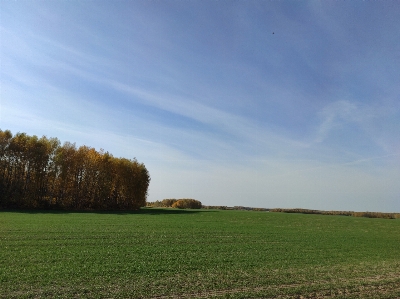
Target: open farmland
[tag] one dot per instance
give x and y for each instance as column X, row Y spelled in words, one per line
column 168, row 253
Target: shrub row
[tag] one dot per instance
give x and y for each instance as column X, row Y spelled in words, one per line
column 237, row 208
column 340, row 213
column 194, row 204
column 184, row 203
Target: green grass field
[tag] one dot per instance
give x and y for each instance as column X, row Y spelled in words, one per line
column 166, row 253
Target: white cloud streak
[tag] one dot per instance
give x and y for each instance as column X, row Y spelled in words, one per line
column 232, row 115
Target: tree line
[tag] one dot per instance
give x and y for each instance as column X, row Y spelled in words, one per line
column 40, row 173
column 183, row 203
column 340, row 213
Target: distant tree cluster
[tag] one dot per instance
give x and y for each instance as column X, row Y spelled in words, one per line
column 184, row 203
column 187, row 203
column 340, row 213
column 165, row 203
column 235, row 208
column 195, row 204
column 39, row 173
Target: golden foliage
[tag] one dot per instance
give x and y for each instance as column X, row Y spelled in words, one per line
column 40, row 173
column 187, row 203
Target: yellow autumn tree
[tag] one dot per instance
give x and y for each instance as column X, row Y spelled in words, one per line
column 40, row 173
column 187, row 203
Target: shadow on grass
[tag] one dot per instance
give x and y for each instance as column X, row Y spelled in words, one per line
column 167, row 211
column 142, row 211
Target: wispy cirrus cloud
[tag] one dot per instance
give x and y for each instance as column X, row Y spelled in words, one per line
column 343, row 115
column 277, row 104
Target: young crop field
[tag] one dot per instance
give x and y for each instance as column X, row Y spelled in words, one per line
column 170, row 253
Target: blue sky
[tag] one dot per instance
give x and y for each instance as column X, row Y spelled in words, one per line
column 255, row 103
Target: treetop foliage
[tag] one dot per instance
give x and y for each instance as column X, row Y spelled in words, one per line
column 40, row 173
